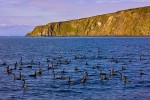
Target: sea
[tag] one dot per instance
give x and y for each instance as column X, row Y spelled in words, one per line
column 77, row 68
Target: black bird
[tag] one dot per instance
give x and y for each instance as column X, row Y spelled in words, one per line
column 9, row 71
column 55, row 78
column 141, row 57
column 77, row 70
column 20, row 68
column 125, row 79
column 70, row 81
column 49, row 67
column 15, row 65
column 4, row 63
column 123, row 68
column 96, row 66
column 24, row 84
column 102, row 73
column 34, row 75
column 62, row 76
column 63, row 71
column 141, row 72
column 86, row 73
column 121, row 77
column 40, row 71
column 17, row 78
column 110, row 73
column 31, row 63
column 86, row 63
column 101, row 76
column 48, row 60
column 21, row 61
column 105, row 78
column 39, row 64
column 114, row 72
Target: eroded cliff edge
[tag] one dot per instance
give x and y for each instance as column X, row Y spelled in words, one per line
column 132, row 22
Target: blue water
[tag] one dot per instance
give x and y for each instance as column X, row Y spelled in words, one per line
column 108, row 52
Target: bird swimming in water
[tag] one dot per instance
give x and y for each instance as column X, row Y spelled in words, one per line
column 86, row 73
column 34, row 75
column 141, row 72
column 48, row 60
column 105, row 78
column 122, row 68
column 20, row 68
column 62, row 76
column 121, row 77
column 114, row 72
column 83, row 79
column 21, row 61
column 49, row 67
column 53, row 70
column 110, row 73
column 40, row 71
column 86, row 63
column 125, row 79
column 94, row 67
column 24, row 84
column 15, row 65
column 9, row 71
column 55, row 78
column 17, row 78
column 63, row 71
column 102, row 73
column 31, row 63
column 70, row 81
column 101, row 76
column 142, row 57
column 4, row 63
column 77, row 70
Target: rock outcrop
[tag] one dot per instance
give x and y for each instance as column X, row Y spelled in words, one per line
column 131, row 22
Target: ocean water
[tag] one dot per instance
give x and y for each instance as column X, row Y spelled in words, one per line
column 87, row 54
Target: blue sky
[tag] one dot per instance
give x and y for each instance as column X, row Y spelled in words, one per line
column 17, row 17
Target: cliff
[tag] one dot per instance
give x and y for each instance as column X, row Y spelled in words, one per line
column 131, row 22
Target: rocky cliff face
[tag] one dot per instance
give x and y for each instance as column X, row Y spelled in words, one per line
column 132, row 22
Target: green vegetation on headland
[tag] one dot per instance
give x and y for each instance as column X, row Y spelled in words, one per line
column 131, row 22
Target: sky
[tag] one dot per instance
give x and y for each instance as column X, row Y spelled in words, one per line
column 17, row 17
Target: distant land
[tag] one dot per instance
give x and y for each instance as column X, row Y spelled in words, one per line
column 131, row 22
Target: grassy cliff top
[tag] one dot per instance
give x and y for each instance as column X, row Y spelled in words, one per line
column 131, row 22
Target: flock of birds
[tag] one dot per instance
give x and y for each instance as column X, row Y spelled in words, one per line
column 53, row 65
